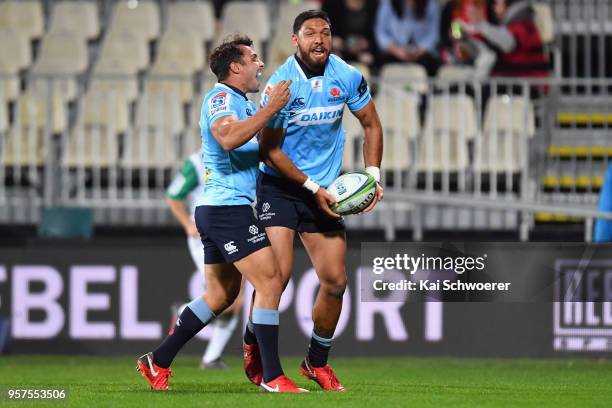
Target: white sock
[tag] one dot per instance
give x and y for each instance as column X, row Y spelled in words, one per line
column 222, row 332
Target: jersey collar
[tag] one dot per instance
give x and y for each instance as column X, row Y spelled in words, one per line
column 233, row 88
column 305, row 71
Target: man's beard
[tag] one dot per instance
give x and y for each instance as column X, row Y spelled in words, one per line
column 311, row 63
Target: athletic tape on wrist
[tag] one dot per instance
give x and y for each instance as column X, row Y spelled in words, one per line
column 311, row 186
column 374, row 172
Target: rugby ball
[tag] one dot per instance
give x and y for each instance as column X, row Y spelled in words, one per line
column 353, row 192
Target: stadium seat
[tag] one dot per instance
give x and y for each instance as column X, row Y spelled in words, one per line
column 544, row 21
column 113, row 76
column 398, row 112
column 182, row 48
column 509, row 115
column 4, row 122
column 169, row 81
column 194, row 16
column 15, row 55
column 289, row 10
column 455, row 73
column 124, row 44
column 279, row 50
column 249, row 16
column 15, row 52
column 141, row 17
column 32, row 109
column 152, row 141
column 79, row 17
column 408, row 76
column 105, row 107
column 157, row 108
column 450, row 123
column 24, row 143
column 508, row 123
column 191, row 138
column 280, row 47
column 9, row 81
column 26, row 16
column 353, row 142
column 94, row 140
column 63, row 54
column 146, row 148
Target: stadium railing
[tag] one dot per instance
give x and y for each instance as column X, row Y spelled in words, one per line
column 458, row 154
column 584, row 31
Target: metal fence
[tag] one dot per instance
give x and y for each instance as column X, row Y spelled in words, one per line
column 458, row 155
column 584, row 36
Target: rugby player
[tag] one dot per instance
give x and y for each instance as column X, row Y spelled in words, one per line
column 234, row 241
column 185, row 186
column 303, row 148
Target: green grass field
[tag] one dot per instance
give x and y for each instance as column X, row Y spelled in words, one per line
column 373, row 382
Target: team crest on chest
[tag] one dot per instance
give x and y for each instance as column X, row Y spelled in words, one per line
column 335, row 94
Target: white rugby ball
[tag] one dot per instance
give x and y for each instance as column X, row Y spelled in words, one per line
column 353, row 192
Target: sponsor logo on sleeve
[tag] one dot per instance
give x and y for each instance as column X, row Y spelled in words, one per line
column 363, row 87
column 218, row 103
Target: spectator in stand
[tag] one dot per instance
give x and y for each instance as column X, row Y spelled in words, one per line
column 407, row 31
column 353, row 28
column 603, row 228
column 517, row 41
column 455, row 46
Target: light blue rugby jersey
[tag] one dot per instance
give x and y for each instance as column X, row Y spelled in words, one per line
column 314, row 139
column 229, row 177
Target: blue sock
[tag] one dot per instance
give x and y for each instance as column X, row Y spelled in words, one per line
column 194, row 317
column 318, row 351
column 265, row 327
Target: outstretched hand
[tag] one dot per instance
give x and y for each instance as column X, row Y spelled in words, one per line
column 279, row 96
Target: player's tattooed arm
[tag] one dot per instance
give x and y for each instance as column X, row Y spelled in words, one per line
column 270, row 151
column 231, row 132
column 372, row 145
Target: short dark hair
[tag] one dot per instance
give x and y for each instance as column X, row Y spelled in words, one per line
column 229, row 51
column 307, row 15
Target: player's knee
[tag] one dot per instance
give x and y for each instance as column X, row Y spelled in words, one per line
column 335, row 286
column 270, row 283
